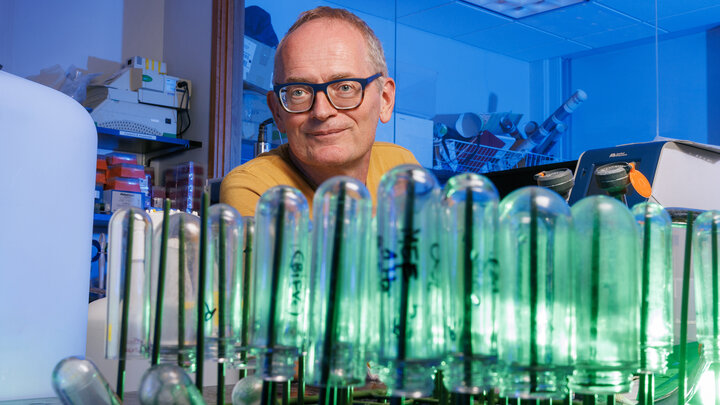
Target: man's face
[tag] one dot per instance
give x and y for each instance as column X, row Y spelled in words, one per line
column 320, row 51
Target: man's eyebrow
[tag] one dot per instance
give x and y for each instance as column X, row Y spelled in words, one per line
column 297, row 79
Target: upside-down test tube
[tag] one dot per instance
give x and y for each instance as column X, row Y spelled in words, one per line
column 706, row 268
column 78, row 382
column 656, row 298
column 168, row 384
column 656, row 295
column 470, row 209
column 177, row 310
column 280, row 282
column 222, row 314
column 242, row 308
column 129, row 261
column 412, row 320
column 607, row 301
column 371, row 297
column 342, row 210
column 535, row 342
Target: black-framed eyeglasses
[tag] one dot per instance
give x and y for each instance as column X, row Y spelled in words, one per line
column 343, row 94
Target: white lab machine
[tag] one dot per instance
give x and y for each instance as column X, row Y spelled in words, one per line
column 47, row 158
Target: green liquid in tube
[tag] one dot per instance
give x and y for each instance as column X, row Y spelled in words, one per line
column 706, row 269
column 607, row 303
column 412, row 307
column 656, row 295
column 341, row 222
column 470, row 209
column 535, row 332
column 179, row 322
column 280, row 282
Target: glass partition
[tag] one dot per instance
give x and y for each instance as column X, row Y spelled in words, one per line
column 484, row 86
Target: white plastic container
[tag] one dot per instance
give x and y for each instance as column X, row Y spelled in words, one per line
column 48, row 148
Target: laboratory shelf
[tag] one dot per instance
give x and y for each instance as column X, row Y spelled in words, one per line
column 152, row 146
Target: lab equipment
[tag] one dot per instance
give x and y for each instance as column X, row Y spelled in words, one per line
column 553, row 127
column 412, row 319
column 168, row 384
column 281, row 282
column 607, row 305
column 57, row 268
column 341, row 221
column 129, row 263
column 178, row 310
column 535, row 331
column 614, row 179
column 470, row 209
column 77, row 381
column 667, row 165
column 262, row 145
column 557, row 180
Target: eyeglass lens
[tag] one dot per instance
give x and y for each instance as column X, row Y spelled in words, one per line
column 344, row 95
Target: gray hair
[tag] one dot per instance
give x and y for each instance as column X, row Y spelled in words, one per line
column 376, row 56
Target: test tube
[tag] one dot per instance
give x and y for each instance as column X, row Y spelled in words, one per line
column 535, row 341
column 223, row 294
column 129, row 261
column 607, row 304
column 280, row 282
column 706, row 267
column 412, row 320
column 342, row 209
column 178, row 310
column 470, row 209
column 241, row 308
column 656, row 297
column 168, row 384
column 77, row 381
column 371, row 296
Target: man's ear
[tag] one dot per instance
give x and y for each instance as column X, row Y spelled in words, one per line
column 387, row 100
column 275, row 107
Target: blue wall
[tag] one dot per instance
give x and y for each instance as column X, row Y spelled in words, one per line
column 43, row 33
column 434, row 74
column 620, row 84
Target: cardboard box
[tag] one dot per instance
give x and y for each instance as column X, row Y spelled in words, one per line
column 122, row 199
column 258, row 60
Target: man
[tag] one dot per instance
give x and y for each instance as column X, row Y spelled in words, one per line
column 331, row 88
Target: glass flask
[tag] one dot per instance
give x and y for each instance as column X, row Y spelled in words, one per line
column 706, row 268
column 280, row 285
column 411, row 338
column 223, row 285
column 129, row 260
column 469, row 213
column 656, row 295
column 247, row 391
column 78, row 382
column 607, row 304
column 535, row 341
column 177, row 307
column 342, row 209
column 242, row 359
column 168, row 384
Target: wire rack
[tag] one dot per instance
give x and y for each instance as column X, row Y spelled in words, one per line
column 461, row 156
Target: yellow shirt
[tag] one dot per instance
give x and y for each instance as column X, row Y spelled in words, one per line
column 244, row 185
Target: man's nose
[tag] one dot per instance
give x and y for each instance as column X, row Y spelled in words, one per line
column 322, row 108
